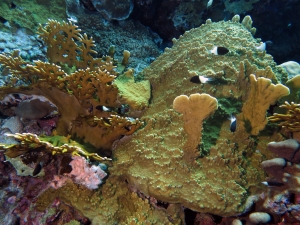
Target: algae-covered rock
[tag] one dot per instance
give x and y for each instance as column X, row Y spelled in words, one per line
column 30, row 13
column 227, row 169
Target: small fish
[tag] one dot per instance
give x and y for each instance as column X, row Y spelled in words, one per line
column 103, row 108
column 200, row 79
column 37, row 168
column 232, row 123
column 72, row 19
column 210, row 2
column 272, row 183
column 12, row 5
column 219, row 50
column 262, row 47
column 3, row 20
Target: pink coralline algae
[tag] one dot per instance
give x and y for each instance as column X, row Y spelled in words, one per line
column 89, row 176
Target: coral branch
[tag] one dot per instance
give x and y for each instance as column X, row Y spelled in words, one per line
column 262, row 94
column 30, row 142
column 290, row 120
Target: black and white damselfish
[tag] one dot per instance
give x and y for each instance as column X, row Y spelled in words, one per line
column 232, row 123
column 201, row 79
column 217, row 50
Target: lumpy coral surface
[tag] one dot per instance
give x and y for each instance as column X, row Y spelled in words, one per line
column 217, row 173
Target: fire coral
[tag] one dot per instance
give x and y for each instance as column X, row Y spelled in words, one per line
column 78, row 84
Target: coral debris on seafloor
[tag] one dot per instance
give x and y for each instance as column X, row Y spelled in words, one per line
column 180, row 155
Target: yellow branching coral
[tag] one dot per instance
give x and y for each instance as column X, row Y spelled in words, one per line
column 17, row 66
column 103, row 132
column 60, row 39
column 290, row 120
column 52, row 74
column 77, row 83
column 30, row 141
column 66, row 45
column 262, row 94
column 195, row 109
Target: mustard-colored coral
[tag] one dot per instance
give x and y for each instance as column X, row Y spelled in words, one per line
column 68, row 46
column 262, row 94
column 290, row 121
column 228, row 168
column 135, row 94
column 195, row 109
column 30, row 141
column 294, row 85
column 125, row 207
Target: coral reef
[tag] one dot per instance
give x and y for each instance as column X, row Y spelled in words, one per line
column 136, row 95
column 80, row 92
column 19, row 193
column 27, row 45
column 79, row 95
column 183, row 156
column 292, row 68
column 171, row 19
column 279, row 202
column 226, row 169
column 126, row 34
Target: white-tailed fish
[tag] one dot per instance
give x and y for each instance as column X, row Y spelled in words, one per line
column 262, row 47
column 217, row 50
column 209, row 3
column 201, row 79
column 272, row 183
column 232, row 123
column 104, row 108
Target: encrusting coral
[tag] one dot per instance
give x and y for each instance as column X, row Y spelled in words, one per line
column 225, row 169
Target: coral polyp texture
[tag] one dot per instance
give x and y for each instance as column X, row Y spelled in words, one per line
column 219, row 169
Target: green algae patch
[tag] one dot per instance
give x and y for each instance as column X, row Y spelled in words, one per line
column 30, row 13
column 212, row 126
column 135, row 94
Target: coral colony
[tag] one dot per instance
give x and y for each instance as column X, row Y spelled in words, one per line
column 82, row 142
